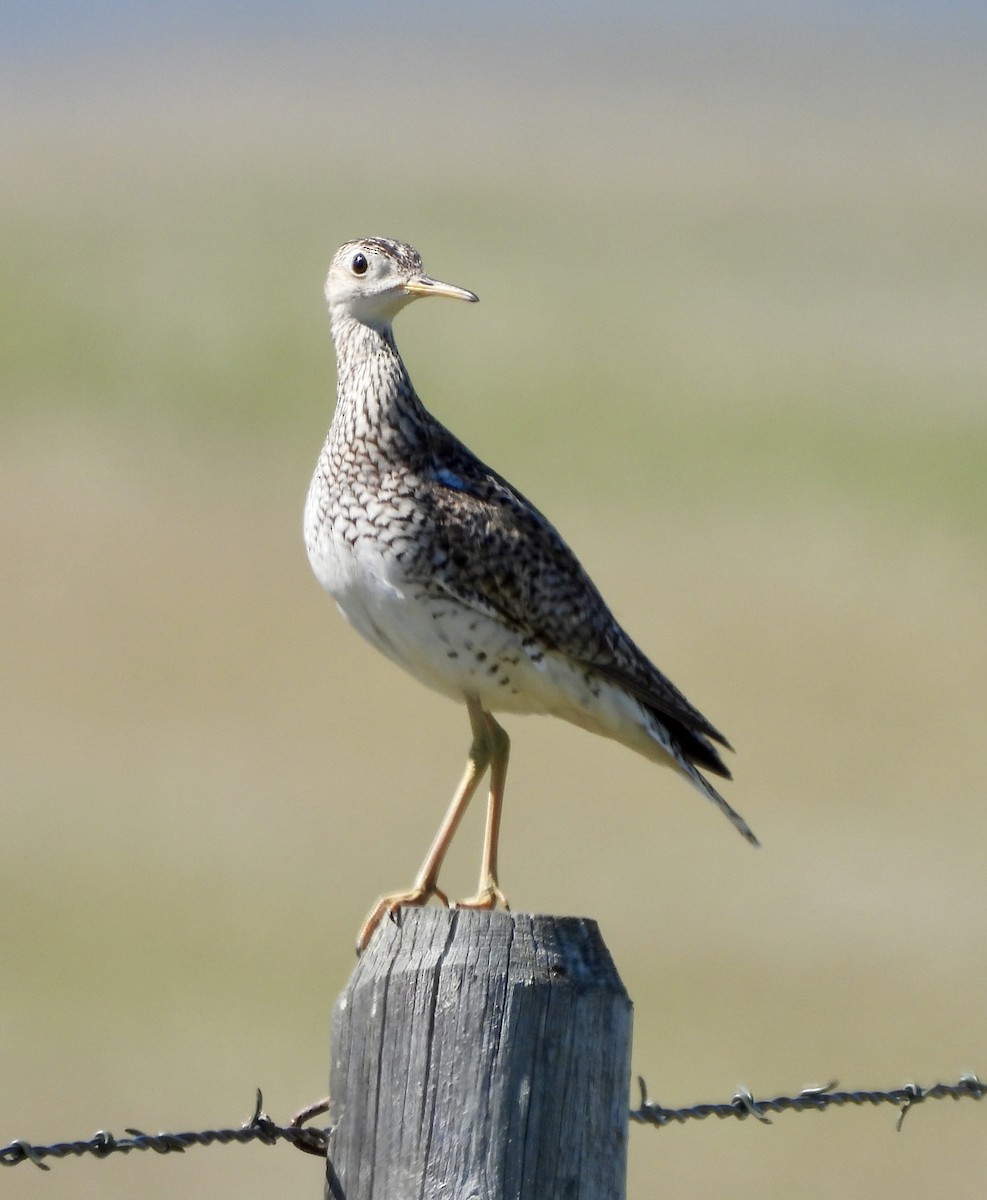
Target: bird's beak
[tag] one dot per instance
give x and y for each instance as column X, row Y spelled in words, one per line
column 424, row 285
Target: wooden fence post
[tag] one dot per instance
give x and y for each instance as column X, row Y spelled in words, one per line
column 480, row 1056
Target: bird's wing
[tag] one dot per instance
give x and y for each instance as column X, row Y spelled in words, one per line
column 530, row 579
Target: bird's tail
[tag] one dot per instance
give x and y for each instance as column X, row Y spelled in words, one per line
column 702, row 784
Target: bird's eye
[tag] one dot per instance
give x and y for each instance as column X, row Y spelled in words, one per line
column 359, row 264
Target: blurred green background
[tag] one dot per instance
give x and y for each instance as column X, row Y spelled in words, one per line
column 731, row 338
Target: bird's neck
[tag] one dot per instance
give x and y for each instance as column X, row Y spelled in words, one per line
column 376, row 404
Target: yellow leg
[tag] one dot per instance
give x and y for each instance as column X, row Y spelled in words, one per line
column 488, row 893
column 485, row 746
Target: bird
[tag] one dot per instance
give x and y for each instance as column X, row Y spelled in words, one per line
column 454, row 575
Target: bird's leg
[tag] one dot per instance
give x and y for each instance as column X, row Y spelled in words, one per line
column 489, row 894
column 484, row 747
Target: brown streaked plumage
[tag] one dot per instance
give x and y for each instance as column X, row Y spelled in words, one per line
column 453, row 574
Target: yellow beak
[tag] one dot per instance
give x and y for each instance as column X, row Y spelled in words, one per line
column 424, row 285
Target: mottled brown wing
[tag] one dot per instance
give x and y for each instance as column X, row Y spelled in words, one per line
column 530, row 578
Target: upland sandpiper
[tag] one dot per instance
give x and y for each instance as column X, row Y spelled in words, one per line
column 453, row 574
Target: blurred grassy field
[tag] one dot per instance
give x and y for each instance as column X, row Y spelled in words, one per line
column 732, row 340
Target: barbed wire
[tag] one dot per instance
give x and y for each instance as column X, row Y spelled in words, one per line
column 261, row 1128
column 817, row 1099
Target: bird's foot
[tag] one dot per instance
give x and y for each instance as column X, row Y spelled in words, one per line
column 387, row 906
column 489, row 896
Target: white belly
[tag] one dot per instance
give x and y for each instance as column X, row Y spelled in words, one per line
column 449, row 647
column 460, row 651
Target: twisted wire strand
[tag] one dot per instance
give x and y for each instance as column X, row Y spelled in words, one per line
column 261, row 1128
column 743, row 1104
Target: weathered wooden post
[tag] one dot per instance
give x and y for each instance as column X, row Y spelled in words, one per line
column 480, row 1056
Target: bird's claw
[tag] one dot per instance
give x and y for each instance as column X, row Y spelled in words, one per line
column 489, row 896
column 388, row 906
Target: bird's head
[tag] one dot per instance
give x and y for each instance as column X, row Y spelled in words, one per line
column 372, row 279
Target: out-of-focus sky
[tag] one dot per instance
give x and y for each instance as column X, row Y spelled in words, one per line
column 66, row 26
